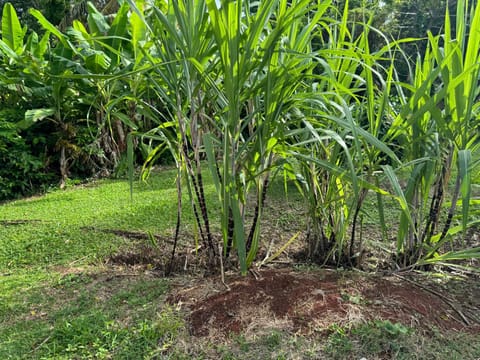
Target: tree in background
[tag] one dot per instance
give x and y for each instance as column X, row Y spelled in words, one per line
column 414, row 19
column 401, row 19
column 60, row 13
column 54, row 11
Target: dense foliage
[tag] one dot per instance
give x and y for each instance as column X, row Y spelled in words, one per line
column 27, row 84
column 244, row 91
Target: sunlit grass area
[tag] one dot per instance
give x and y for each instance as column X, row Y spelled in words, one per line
column 85, row 316
column 66, row 226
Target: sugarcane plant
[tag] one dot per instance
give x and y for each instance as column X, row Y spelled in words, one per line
column 228, row 106
column 437, row 129
column 237, row 91
column 335, row 151
column 259, row 87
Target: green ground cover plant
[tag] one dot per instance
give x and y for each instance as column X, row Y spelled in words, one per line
column 47, row 311
column 56, row 228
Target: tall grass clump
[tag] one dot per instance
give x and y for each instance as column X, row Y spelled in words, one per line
column 437, row 132
column 227, row 73
column 247, row 89
column 336, row 149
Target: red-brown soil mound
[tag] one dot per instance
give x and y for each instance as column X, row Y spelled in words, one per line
column 313, row 301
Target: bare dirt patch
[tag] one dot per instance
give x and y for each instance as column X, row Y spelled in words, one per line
column 307, row 302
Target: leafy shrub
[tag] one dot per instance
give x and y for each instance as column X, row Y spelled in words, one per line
column 21, row 173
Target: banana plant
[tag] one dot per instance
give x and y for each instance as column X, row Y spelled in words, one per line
column 25, row 65
column 99, row 60
column 23, row 60
column 102, row 53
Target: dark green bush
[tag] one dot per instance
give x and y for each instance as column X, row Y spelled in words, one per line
column 22, row 172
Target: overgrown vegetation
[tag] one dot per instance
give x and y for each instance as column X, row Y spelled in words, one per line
column 314, row 94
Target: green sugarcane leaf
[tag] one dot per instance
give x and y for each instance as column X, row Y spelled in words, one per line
column 130, row 162
column 381, row 211
column 468, row 254
column 124, row 119
column 212, row 162
column 400, row 197
column 239, row 235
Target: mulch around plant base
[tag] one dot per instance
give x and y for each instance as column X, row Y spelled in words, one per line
column 307, row 302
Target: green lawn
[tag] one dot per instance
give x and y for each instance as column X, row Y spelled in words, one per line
column 57, row 299
column 66, row 226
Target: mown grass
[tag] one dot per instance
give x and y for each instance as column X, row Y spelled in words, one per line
column 63, row 226
column 60, row 300
column 85, row 316
column 56, row 300
column 368, row 341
